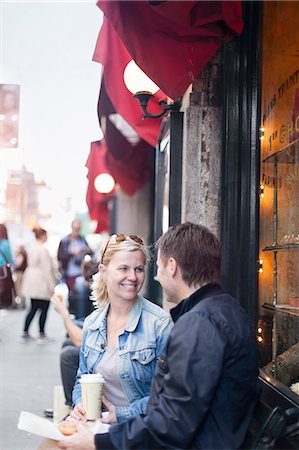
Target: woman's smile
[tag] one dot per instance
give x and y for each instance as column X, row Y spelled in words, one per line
column 125, row 275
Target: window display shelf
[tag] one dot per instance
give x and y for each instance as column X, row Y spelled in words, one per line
column 288, row 154
column 278, row 247
column 283, row 309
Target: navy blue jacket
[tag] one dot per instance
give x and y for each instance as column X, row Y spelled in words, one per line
column 64, row 256
column 205, row 386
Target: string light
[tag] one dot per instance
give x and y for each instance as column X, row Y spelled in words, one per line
column 260, row 266
column 259, row 334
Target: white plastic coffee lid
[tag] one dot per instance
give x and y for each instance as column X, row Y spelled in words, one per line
column 92, row 378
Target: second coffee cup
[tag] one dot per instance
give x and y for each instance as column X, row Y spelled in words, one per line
column 92, row 389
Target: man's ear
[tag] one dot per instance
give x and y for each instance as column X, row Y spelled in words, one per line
column 172, row 266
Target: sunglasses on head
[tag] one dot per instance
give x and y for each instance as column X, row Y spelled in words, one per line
column 122, row 238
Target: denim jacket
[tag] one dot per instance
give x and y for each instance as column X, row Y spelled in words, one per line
column 139, row 346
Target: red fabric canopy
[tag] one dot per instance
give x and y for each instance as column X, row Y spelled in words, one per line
column 97, row 203
column 171, row 41
column 129, row 164
column 114, row 56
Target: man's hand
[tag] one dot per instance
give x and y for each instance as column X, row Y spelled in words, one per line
column 83, row 439
column 111, row 418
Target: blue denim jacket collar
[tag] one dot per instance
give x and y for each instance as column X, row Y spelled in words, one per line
column 131, row 324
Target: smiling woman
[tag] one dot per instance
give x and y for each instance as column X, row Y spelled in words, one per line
column 124, row 337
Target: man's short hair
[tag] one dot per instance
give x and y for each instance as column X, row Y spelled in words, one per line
column 196, row 251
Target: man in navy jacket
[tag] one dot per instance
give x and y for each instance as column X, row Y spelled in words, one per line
column 71, row 252
column 205, row 386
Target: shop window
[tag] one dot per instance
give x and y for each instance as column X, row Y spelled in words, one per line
column 278, row 265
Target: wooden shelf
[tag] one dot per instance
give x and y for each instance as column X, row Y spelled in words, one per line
column 283, row 309
column 271, row 248
column 288, row 154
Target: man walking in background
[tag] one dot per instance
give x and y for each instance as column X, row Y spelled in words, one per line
column 205, row 386
column 71, row 252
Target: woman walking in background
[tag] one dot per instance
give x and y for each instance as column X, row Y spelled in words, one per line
column 38, row 283
column 4, row 245
column 20, row 267
column 6, row 290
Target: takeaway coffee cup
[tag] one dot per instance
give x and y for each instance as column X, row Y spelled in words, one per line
column 92, row 388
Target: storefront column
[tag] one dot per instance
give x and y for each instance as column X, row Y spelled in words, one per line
column 202, row 149
column 133, row 212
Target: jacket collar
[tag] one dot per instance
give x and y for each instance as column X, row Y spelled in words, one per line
column 209, row 290
column 132, row 321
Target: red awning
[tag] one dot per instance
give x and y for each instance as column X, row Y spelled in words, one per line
column 171, row 41
column 114, row 56
column 97, row 203
column 129, row 164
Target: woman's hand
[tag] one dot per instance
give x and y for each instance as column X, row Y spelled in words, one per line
column 78, row 413
column 111, row 418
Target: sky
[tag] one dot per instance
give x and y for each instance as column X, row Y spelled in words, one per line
column 47, row 48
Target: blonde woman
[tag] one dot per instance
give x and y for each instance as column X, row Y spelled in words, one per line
column 124, row 336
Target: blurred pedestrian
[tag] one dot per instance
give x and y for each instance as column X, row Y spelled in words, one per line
column 71, row 251
column 20, row 266
column 5, row 245
column 80, row 297
column 6, row 262
column 38, row 283
column 69, row 356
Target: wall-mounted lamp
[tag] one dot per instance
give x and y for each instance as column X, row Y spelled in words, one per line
column 260, row 266
column 143, row 88
column 262, row 133
column 262, row 191
column 104, row 183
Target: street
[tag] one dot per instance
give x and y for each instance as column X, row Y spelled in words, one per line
column 29, row 371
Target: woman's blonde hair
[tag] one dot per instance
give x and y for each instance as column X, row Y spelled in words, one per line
column 116, row 243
